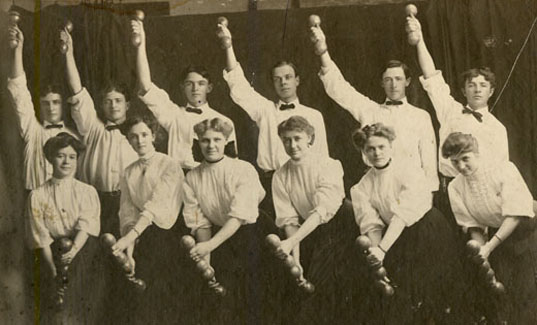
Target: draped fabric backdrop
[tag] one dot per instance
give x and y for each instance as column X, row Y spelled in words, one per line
column 460, row 34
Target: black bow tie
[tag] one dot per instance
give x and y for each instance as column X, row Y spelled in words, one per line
column 284, row 107
column 193, row 110
column 112, row 127
column 393, row 102
column 54, row 126
column 478, row 116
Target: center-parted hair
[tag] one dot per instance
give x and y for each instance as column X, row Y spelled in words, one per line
column 396, row 64
column 216, row 124
column 146, row 118
column 282, row 64
column 297, row 123
column 360, row 136
column 114, row 85
column 458, row 143
column 202, row 71
column 60, row 141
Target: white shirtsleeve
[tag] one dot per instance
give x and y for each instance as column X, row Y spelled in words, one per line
column 244, row 95
column 159, row 103
column 440, row 94
column 37, row 233
column 329, row 193
column 24, row 107
column 89, row 220
column 247, row 196
column 286, row 214
column 345, row 95
column 194, row 217
column 83, row 112
column 460, row 211
column 516, row 197
column 415, row 198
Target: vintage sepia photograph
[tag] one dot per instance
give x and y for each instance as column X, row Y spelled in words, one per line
column 273, row 162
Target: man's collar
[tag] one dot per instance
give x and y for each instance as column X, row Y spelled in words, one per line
column 296, row 102
column 46, row 123
column 404, row 100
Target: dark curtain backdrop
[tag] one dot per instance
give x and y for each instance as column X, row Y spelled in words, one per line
column 460, row 33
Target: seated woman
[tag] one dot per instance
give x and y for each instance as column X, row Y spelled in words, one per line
column 222, row 196
column 393, row 207
column 494, row 206
column 308, row 195
column 65, row 208
column 151, row 198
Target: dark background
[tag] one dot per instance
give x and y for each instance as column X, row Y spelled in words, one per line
column 460, row 34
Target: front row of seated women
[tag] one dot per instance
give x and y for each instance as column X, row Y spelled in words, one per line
column 424, row 257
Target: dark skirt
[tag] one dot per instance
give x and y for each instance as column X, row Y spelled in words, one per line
column 85, row 291
column 515, row 264
column 323, row 255
column 242, row 265
column 426, row 272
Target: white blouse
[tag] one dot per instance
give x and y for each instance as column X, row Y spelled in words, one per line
column 215, row 192
column 314, row 184
column 391, row 192
column 488, row 196
column 151, row 192
column 61, row 208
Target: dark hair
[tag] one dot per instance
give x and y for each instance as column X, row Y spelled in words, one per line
column 49, row 88
column 360, row 136
column 60, row 141
column 215, row 124
column 297, row 123
column 282, row 64
column 470, row 74
column 113, row 85
column 458, row 143
column 396, row 64
column 146, row 118
column 201, row 70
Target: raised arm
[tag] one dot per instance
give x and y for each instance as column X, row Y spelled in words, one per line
column 142, row 64
column 73, row 77
column 424, row 57
column 224, row 35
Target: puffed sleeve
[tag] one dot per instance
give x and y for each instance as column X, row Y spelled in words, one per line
column 415, row 198
column 460, row 211
column 516, row 197
column 167, row 199
column 248, row 194
column 159, row 103
column 83, row 112
column 329, row 192
column 366, row 216
column 244, row 95
column 128, row 212
column 194, row 217
column 37, row 233
column 90, row 209
column 286, row 214
column 24, row 107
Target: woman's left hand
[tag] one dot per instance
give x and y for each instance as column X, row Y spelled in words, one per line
column 377, row 254
column 68, row 257
column 122, row 244
column 200, row 250
column 485, row 251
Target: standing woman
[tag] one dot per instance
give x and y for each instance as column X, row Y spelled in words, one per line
column 494, row 206
column 64, row 207
column 151, row 198
column 308, row 194
column 393, row 207
column 222, row 196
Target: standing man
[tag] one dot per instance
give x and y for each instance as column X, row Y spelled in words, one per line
column 179, row 121
column 36, row 167
column 268, row 115
column 108, row 152
column 415, row 144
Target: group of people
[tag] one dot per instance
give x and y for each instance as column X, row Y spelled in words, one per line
column 107, row 177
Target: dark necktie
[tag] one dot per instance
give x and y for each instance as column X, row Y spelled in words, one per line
column 54, row 126
column 478, row 116
column 394, row 102
column 112, row 127
column 193, row 110
column 284, row 107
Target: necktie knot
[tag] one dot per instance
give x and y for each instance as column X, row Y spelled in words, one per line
column 478, row 116
column 193, row 110
column 112, row 127
column 393, row 102
column 284, row 107
column 54, row 126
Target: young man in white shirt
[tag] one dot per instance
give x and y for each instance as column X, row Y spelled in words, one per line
column 415, row 143
column 179, row 121
column 36, row 167
column 268, row 114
